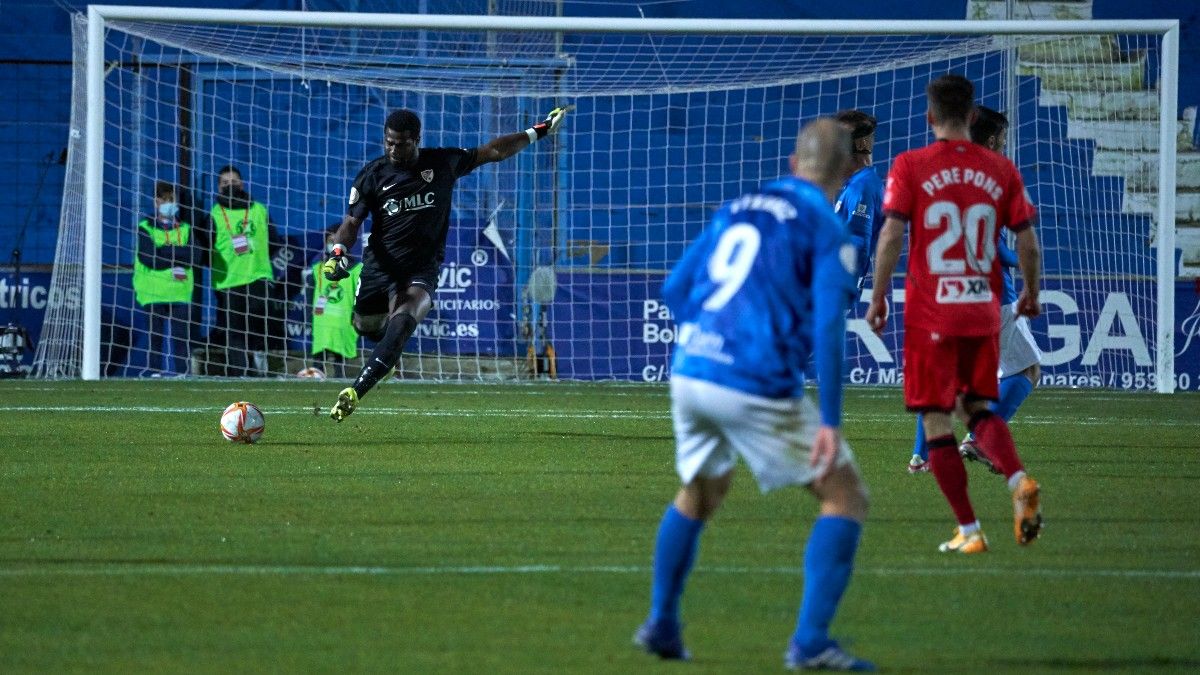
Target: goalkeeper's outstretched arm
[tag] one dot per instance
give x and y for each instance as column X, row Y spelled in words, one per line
column 500, row 149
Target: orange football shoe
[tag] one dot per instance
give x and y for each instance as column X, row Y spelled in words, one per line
column 965, row 543
column 1027, row 510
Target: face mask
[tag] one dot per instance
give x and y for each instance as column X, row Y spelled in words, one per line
column 233, row 197
column 168, row 210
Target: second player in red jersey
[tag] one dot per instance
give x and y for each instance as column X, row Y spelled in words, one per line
column 956, row 196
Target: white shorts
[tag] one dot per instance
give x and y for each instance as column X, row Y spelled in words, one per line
column 1018, row 350
column 715, row 424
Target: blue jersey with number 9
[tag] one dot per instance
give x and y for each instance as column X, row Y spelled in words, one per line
column 762, row 289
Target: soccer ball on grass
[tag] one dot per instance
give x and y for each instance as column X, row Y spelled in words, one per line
column 242, row 422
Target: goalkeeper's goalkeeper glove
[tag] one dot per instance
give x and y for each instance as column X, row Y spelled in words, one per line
column 549, row 125
column 337, row 267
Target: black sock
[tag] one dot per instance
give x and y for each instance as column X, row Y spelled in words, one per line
column 387, row 352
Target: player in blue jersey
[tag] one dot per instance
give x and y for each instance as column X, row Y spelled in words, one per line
column 1019, row 353
column 763, row 287
column 860, row 203
column 1020, row 357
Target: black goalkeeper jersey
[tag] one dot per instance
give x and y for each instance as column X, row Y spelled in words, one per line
column 410, row 207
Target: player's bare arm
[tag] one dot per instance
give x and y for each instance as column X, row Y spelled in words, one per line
column 887, row 254
column 347, row 232
column 1029, row 257
column 503, row 147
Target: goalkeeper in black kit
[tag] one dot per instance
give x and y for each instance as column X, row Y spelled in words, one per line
column 407, row 193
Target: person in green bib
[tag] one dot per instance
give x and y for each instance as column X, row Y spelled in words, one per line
column 163, row 280
column 241, row 272
column 334, row 338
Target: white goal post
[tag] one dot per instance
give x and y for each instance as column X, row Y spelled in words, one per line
column 763, row 72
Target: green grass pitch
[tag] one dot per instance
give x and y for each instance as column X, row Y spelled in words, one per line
column 508, row 529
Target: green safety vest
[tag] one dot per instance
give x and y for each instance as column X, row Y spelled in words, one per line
column 241, row 245
column 152, row 286
column 332, row 307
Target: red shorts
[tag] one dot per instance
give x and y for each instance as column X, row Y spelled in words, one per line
column 937, row 370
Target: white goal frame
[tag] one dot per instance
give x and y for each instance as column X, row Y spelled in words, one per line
column 99, row 15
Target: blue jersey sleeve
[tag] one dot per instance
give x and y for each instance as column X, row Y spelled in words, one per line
column 876, row 221
column 860, row 206
column 849, row 208
column 834, row 284
column 1008, row 262
column 1007, row 256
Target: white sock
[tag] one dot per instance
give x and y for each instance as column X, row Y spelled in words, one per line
column 1015, row 480
column 969, row 529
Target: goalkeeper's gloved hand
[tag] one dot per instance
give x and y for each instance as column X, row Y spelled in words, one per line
column 337, row 267
column 549, row 125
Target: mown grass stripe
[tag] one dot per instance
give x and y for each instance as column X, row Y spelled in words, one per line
column 184, row 569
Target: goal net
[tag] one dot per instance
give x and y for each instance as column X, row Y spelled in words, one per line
column 555, row 257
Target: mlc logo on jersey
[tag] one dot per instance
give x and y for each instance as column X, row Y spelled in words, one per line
column 412, row 203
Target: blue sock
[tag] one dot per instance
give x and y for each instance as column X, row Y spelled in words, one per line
column 828, row 561
column 1014, row 389
column 674, row 552
column 920, row 447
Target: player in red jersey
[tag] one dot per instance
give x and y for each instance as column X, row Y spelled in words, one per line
column 957, row 195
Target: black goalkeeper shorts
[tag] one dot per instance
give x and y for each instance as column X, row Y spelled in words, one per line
column 379, row 287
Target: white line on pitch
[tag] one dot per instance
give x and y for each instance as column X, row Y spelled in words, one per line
column 533, row 389
column 167, row 569
column 301, row 410
column 543, row 414
column 565, row 388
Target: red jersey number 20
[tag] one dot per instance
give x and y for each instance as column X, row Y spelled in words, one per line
column 976, row 226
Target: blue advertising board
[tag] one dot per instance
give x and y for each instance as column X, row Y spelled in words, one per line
column 474, row 309
column 1093, row 334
